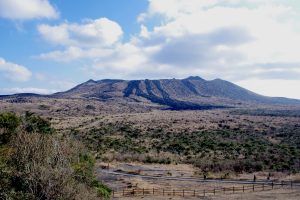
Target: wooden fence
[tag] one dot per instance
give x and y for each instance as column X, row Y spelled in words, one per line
column 199, row 193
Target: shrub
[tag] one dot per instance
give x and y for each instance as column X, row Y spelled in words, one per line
column 102, row 190
column 43, row 165
column 33, row 123
column 90, row 107
column 40, row 165
column 9, row 123
column 84, row 169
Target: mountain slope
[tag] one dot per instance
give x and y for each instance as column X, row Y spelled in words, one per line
column 189, row 93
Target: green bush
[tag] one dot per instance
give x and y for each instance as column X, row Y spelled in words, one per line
column 84, row 169
column 84, row 172
column 34, row 123
column 102, row 190
column 9, row 123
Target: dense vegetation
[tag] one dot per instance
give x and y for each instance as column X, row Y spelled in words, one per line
column 224, row 149
column 268, row 112
column 38, row 163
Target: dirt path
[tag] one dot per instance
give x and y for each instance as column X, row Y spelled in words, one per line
column 199, row 179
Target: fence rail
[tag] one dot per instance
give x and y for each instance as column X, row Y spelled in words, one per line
column 199, row 193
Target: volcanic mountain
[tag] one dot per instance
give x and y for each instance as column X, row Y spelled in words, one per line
column 178, row 94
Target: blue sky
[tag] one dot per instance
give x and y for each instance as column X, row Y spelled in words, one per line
column 48, row 46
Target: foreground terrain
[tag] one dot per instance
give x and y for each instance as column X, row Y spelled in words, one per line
column 175, row 128
column 219, row 140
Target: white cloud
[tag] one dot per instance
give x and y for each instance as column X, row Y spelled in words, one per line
column 91, row 39
column 18, row 90
column 172, row 9
column 273, row 37
column 14, row 72
column 230, row 39
column 27, row 9
column 73, row 53
column 89, row 34
column 267, row 31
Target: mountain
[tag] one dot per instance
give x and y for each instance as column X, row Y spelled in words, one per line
column 192, row 93
column 178, row 94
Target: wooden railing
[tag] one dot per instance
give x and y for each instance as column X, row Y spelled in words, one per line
column 198, row 193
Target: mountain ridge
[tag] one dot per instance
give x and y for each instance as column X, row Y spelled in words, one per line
column 193, row 93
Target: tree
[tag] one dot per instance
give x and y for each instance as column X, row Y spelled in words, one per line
column 9, row 123
column 34, row 123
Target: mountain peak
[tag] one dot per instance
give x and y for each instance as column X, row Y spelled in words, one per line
column 194, row 78
column 91, row 81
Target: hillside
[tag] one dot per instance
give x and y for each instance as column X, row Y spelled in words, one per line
column 171, row 121
column 190, row 93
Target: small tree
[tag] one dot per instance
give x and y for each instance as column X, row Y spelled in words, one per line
column 9, row 123
column 33, row 123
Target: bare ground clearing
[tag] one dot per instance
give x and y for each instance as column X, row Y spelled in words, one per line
column 119, row 183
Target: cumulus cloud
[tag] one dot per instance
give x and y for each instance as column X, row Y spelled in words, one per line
column 90, row 39
column 265, row 33
column 203, row 50
column 26, row 10
column 14, row 72
column 89, row 34
column 234, row 40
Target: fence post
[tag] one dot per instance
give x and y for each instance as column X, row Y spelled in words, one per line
column 113, row 193
column 263, row 187
column 224, row 190
column 183, row 192
column 253, row 187
column 204, row 192
column 163, row 192
column 194, row 193
column 291, row 184
column 272, row 185
column 123, row 192
column 243, row 188
column 173, row 192
column 214, row 191
column 143, row 191
column 233, row 189
column 281, row 184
